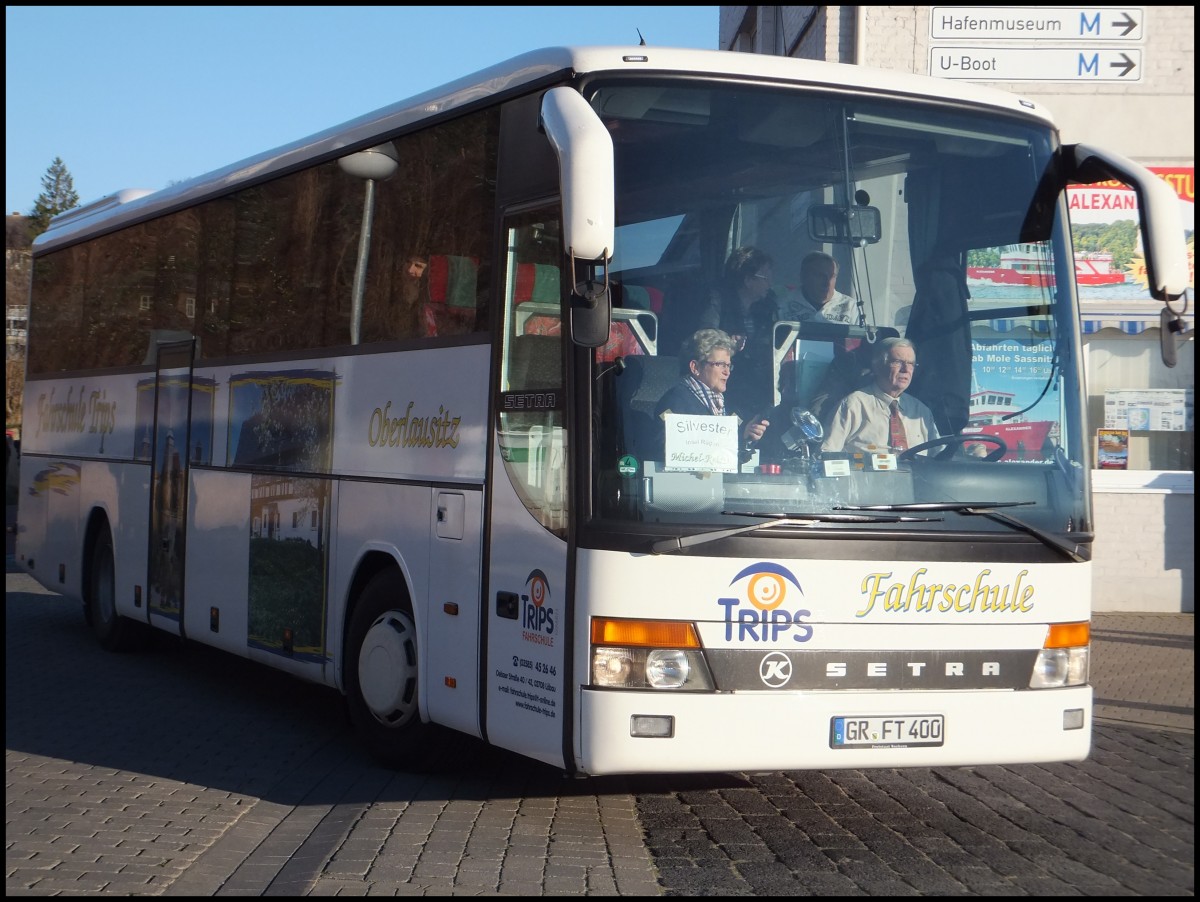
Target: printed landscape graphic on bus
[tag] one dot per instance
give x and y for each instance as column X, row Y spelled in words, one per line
column 288, row 549
column 203, row 397
column 282, row 420
column 162, row 424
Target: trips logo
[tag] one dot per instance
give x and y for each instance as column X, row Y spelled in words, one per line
column 766, row 614
column 537, row 617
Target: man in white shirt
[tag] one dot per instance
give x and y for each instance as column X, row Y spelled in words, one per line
column 819, row 299
column 882, row 418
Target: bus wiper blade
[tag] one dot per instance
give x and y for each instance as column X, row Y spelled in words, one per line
column 867, row 517
column 959, row 506
column 983, row 509
column 1070, row 549
column 677, row 543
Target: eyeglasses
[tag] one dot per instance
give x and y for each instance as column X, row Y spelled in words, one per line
column 759, row 275
column 902, row 364
column 719, row 364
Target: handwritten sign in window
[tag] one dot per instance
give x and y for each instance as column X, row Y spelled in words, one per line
column 705, row 443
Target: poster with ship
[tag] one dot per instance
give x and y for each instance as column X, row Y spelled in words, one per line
column 1109, row 264
column 1014, row 397
column 1104, row 222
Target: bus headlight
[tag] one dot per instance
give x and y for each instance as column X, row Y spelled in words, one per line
column 645, row 668
column 1059, row 667
column 613, row 666
column 1063, row 660
column 648, row 654
column 667, row 668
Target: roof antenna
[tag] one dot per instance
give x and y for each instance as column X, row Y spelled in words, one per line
column 641, row 40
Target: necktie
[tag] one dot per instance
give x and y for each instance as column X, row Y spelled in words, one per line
column 896, row 429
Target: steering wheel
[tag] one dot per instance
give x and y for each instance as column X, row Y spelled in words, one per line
column 954, row 442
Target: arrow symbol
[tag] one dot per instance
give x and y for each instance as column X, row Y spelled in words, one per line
column 1128, row 64
column 1129, row 25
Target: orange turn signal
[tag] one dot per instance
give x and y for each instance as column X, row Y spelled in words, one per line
column 644, row 633
column 1068, row 635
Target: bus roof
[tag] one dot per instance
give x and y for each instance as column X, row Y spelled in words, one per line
column 131, row 206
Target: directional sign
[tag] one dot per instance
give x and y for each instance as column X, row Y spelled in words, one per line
column 1036, row 64
column 1037, row 23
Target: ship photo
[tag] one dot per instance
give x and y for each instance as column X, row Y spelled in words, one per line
column 1026, row 264
column 991, row 413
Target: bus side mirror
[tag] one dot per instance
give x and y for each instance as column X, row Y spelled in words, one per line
column 586, row 184
column 590, row 305
column 1170, row 324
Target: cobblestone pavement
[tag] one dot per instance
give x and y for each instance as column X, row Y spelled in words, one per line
column 1120, row 823
column 186, row 772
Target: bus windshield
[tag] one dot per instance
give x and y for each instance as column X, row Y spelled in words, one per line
column 834, row 241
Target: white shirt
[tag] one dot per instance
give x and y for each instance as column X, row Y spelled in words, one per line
column 841, row 308
column 862, row 422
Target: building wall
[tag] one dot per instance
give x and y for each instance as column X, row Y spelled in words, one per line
column 1145, row 521
column 18, row 270
column 1152, row 121
column 1144, row 557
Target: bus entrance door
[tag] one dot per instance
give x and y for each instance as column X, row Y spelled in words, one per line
column 169, row 485
column 526, row 680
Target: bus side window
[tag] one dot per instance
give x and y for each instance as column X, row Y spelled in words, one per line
column 453, row 287
column 531, row 436
column 536, row 293
column 536, row 363
column 640, row 385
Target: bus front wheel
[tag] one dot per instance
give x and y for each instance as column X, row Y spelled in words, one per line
column 381, row 677
column 114, row 632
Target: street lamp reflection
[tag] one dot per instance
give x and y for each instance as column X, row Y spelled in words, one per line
column 371, row 165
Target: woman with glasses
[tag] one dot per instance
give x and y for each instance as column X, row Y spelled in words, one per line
column 745, row 306
column 707, row 363
column 881, row 417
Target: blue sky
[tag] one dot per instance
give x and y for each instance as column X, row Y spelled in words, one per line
column 140, row 97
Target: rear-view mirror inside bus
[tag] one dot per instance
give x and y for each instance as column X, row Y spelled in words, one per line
column 830, row 223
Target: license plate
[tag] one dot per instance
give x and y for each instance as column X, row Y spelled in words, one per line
column 886, row 732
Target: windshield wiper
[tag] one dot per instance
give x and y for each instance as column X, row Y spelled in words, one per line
column 825, row 517
column 981, row 509
column 918, row 506
column 677, row 543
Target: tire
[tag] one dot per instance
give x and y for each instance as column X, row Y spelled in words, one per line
column 381, row 676
column 114, row 632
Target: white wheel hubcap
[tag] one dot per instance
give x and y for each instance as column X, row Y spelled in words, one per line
column 387, row 669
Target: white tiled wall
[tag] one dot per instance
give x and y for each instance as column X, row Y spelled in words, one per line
column 1144, row 557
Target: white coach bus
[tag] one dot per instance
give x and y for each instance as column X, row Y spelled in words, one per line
column 380, row 409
